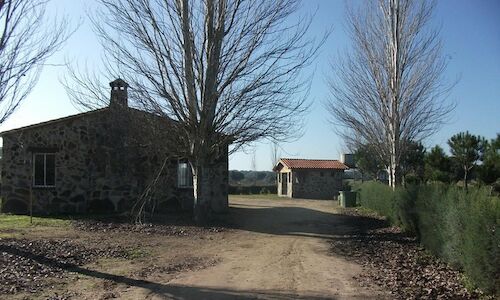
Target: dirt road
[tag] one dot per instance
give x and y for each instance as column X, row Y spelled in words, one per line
column 271, row 249
column 279, row 252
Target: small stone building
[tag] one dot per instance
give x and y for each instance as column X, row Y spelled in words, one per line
column 101, row 161
column 309, row 178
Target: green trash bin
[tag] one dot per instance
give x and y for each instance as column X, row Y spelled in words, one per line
column 347, row 199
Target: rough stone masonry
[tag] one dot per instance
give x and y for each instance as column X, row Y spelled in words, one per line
column 103, row 161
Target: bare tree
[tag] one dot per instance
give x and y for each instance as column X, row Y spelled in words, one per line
column 26, row 41
column 275, row 154
column 254, row 166
column 228, row 71
column 389, row 88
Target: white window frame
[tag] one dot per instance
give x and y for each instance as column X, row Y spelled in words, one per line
column 189, row 183
column 44, row 169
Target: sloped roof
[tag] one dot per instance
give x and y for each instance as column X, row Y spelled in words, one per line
column 294, row 163
column 81, row 115
column 63, row 119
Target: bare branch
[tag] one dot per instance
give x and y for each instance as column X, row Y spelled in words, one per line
column 228, row 71
column 389, row 89
column 26, row 41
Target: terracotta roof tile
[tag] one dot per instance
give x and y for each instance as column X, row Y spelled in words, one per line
column 294, row 163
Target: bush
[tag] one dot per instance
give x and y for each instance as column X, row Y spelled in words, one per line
column 458, row 226
column 264, row 191
column 481, row 242
column 252, row 189
column 378, row 197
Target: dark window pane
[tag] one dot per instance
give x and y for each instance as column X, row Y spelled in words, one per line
column 181, row 174
column 50, row 169
column 39, row 172
column 184, row 175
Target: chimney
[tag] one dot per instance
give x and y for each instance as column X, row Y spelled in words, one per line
column 119, row 97
column 348, row 160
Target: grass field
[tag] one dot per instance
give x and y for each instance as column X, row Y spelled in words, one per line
column 8, row 221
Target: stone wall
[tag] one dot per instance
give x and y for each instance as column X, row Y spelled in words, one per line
column 103, row 164
column 316, row 184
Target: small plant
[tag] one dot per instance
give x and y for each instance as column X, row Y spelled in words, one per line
column 136, row 253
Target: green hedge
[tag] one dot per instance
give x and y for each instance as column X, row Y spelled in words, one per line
column 252, row 189
column 460, row 227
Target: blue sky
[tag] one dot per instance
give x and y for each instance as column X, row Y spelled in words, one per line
column 470, row 31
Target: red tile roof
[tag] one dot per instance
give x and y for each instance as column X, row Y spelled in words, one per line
column 294, row 163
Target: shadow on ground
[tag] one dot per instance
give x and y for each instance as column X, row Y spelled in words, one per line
column 170, row 291
column 297, row 221
column 267, row 218
column 262, row 218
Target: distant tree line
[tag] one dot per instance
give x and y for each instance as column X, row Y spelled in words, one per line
column 472, row 157
column 251, row 178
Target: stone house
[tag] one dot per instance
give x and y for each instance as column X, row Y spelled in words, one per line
column 101, row 161
column 309, row 178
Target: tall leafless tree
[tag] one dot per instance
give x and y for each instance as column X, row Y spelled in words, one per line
column 228, row 71
column 390, row 89
column 275, row 154
column 27, row 39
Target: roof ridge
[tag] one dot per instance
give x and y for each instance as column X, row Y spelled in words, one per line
column 75, row 116
column 325, row 159
column 56, row 120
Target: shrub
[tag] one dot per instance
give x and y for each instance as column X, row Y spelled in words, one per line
column 264, row 191
column 378, row 197
column 458, row 226
column 252, row 189
column 481, row 240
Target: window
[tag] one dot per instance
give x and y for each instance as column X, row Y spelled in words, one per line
column 290, row 177
column 184, row 175
column 321, row 174
column 44, row 169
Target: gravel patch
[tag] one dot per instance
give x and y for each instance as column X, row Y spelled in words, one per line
column 148, row 229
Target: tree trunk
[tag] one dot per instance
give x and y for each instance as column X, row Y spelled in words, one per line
column 394, row 154
column 202, row 194
column 465, row 178
column 389, row 175
column 394, row 175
